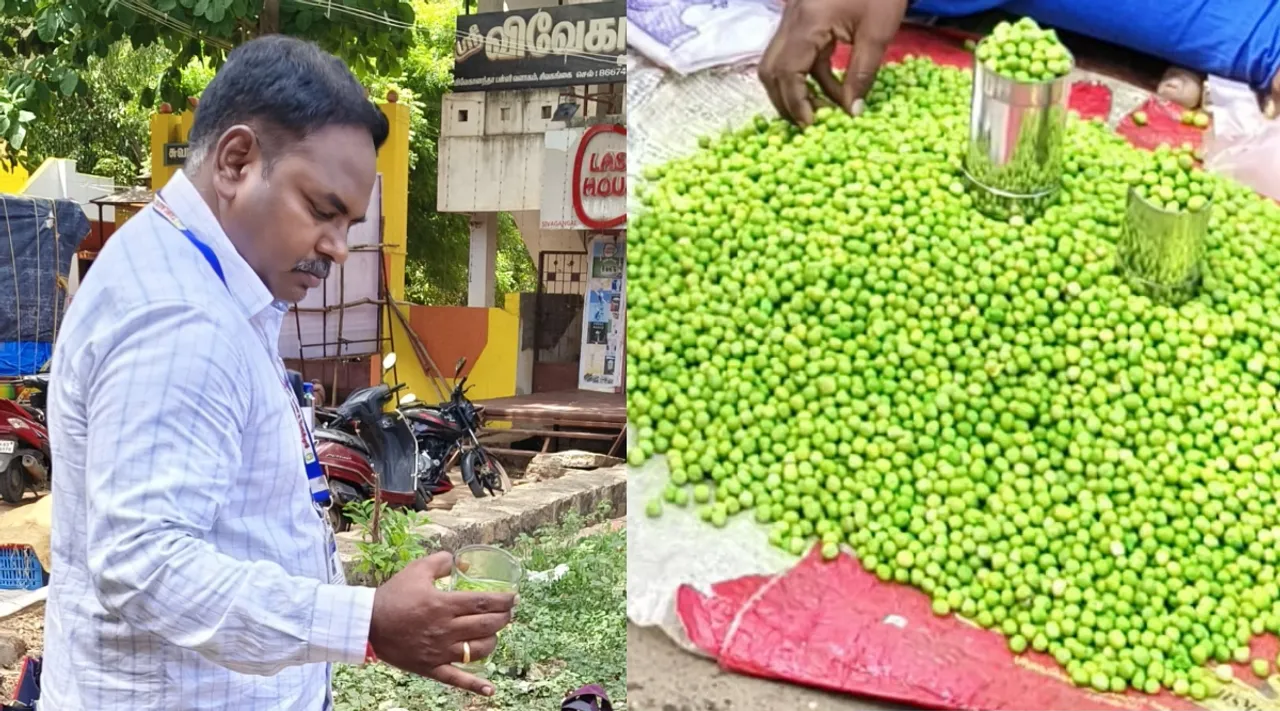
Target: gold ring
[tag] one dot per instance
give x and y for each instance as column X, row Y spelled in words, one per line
column 466, row 652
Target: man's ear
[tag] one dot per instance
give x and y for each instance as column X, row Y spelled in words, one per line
column 234, row 155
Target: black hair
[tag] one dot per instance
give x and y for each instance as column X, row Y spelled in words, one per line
column 286, row 88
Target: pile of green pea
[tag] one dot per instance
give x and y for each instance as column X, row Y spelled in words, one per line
column 1025, row 52
column 824, row 334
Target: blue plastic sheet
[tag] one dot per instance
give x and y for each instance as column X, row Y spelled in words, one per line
column 1236, row 39
column 17, row 358
column 38, row 238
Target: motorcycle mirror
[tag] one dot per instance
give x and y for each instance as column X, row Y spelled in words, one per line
column 408, row 398
column 389, row 361
column 462, row 362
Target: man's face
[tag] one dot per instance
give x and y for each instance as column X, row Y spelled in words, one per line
column 290, row 224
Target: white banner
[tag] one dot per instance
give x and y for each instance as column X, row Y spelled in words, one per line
column 305, row 333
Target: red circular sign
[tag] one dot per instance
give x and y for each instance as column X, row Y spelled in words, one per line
column 578, row 208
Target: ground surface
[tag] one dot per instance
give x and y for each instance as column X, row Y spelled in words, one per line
column 663, row 677
column 29, row 626
column 569, row 631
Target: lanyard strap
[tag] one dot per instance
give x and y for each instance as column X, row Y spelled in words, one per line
column 316, row 483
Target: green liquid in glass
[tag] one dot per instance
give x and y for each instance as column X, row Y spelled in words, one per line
column 462, row 584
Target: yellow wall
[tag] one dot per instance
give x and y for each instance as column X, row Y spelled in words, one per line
column 494, row 372
column 13, row 180
column 167, row 128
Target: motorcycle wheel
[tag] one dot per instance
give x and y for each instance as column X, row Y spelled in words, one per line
column 499, row 473
column 339, row 522
column 472, row 469
column 484, row 474
column 13, row 483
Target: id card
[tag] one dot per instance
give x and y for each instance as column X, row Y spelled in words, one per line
column 337, row 576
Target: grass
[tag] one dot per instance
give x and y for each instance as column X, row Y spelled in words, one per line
column 566, row 633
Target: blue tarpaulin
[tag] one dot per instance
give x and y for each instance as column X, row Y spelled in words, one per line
column 38, row 238
column 1236, row 39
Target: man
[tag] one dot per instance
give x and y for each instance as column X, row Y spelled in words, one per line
column 193, row 566
column 807, row 35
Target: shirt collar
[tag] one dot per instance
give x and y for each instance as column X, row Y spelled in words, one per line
column 245, row 285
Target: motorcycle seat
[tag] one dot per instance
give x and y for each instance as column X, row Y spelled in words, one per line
column 343, row 438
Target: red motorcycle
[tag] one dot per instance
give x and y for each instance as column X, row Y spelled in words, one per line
column 360, row 444
column 24, row 442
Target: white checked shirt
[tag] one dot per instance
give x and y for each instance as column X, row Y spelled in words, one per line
column 190, row 569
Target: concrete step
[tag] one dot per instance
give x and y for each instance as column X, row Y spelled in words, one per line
column 525, row 509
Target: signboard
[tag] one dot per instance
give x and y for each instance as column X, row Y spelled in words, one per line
column 175, row 153
column 603, row 332
column 562, row 45
column 584, row 179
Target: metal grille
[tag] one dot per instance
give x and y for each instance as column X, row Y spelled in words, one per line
column 562, row 273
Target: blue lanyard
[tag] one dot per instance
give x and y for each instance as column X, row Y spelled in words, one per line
column 316, row 482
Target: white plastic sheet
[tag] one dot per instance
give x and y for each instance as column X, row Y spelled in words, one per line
column 1244, row 144
column 678, row 548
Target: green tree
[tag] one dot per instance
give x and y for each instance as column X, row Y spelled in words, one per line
column 436, row 270
column 105, row 128
column 103, row 123
column 48, row 42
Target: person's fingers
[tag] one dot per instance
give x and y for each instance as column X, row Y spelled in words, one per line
column 768, row 69
column 455, row 677
column 440, row 565
column 477, row 626
column 1269, row 108
column 480, row 603
column 868, row 51
column 795, row 95
column 791, row 73
column 826, row 78
column 771, row 88
column 480, row 648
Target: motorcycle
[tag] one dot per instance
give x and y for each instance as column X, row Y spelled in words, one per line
column 360, row 444
column 447, row 433
column 24, row 442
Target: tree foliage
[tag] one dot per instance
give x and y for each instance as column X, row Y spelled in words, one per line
column 103, row 120
column 436, row 272
column 104, row 128
column 48, row 42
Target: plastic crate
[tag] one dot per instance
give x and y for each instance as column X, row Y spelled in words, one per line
column 20, row 569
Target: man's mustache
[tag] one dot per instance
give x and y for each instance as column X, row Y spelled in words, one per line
column 319, row 268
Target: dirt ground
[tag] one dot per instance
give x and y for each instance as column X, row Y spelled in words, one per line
column 29, row 626
column 663, row 677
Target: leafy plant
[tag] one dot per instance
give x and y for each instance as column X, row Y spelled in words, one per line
column 567, row 632
column 395, row 546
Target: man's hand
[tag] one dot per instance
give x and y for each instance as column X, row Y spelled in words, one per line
column 805, row 41
column 421, row 629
